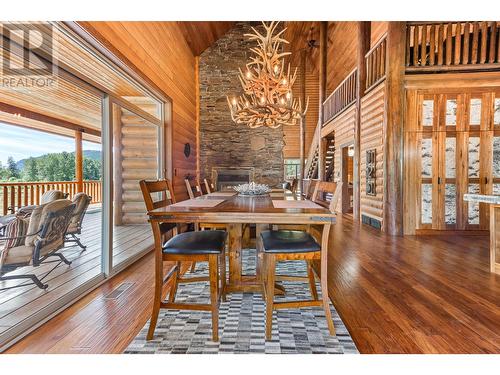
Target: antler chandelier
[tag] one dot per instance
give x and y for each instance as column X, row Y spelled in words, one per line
column 267, row 87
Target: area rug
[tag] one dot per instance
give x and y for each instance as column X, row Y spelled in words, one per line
column 242, row 322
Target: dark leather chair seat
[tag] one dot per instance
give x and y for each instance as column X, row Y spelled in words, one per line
column 196, row 243
column 288, row 241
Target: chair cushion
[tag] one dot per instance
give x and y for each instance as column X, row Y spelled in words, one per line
column 288, row 241
column 15, row 228
column 196, row 243
column 19, row 255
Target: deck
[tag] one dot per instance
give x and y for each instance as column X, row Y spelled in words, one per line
column 19, row 304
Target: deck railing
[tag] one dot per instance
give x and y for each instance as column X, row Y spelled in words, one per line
column 18, row 194
column 452, row 46
column 341, row 98
column 375, row 61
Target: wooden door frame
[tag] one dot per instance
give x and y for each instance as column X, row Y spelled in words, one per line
column 345, row 201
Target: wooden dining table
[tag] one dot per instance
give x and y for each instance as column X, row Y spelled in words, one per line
column 235, row 211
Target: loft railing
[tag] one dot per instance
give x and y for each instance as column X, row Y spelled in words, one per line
column 452, row 46
column 375, row 61
column 18, row 194
column 341, row 98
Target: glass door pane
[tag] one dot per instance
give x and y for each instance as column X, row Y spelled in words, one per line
column 450, row 191
column 473, row 177
column 426, row 158
column 136, row 156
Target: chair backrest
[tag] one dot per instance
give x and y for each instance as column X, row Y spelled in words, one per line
column 311, row 188
column 82, row 202
column 53, row 224
column 327, row 194
column 295, row 183
column 159, row 189
column 158, row 194
column 209, row 186
column 52, row 195
column 193, row 193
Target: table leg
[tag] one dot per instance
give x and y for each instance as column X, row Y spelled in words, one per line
column 259, row 228
column 235, row 266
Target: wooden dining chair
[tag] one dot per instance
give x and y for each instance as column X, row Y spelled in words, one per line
column 193, row 190
column 293, row 187
column 284, row 245
column 184, row 247
column 311, row 188
column 209, row 186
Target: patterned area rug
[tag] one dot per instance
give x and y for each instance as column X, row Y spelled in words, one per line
column 242, row 322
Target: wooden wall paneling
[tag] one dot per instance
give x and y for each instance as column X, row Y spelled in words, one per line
column 323, row 58
column 342, row 47
column 342, row 129
column 372, row 137
column 378, row 29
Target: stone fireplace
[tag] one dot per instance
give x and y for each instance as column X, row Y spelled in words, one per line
column 225, row 178
column 224, row 145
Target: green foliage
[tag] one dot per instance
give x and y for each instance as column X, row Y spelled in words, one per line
column 51, row 167
column 13, row 172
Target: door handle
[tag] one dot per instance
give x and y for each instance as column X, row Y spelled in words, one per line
column 486, row 180
column 439, row 180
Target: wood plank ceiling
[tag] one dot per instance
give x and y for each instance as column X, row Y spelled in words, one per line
column 200, row 35
column 71, row 100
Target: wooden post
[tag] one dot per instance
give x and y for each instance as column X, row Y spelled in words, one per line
column 364, row 37
column 116, row 116
column 302, row 127
column 78, row 161
column 197, row 114
column 393, row 142
column 323, row 52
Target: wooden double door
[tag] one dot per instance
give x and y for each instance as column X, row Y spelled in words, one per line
column 452, row 147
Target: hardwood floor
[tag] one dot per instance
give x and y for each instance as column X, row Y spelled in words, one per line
column 426, row 294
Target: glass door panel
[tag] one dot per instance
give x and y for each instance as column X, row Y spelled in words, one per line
column 450, row 191
column 136, row 156
column 426, row 159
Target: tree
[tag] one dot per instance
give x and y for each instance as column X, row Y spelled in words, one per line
column 3, row 173
column 13, row 171
column 91, row 169
column 31, row 169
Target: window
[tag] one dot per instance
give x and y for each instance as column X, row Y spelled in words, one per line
column 291, row 168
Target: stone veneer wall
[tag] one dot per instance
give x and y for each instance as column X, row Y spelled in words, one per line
column 222, row 142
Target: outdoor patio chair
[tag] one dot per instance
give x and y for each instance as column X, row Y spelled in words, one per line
column 25, row 211
column 82, row 202
column 45, row 236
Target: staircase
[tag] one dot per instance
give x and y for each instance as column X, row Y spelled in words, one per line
column 311, row 170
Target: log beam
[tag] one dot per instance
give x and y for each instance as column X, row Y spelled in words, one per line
column 78, row 161
column 393, row 141
column 323, row 52
column 364, row 37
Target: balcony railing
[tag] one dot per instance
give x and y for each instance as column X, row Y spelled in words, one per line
column 375, row 61
column 452, row 46
column 341, row 98
column 18, row 194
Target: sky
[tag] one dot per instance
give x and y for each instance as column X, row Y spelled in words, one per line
column 21, row 143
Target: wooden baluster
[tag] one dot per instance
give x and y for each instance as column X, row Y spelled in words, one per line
column 423, row 48
column 32, row 194
column 5, row 200
column 13, row 196
column 458, row 43
column 484, row 39
column 19, row 196
column 37, row 194
column 440, row 43
column 25, row 200
column 449, row 41
column 384, row 56
column 408, row 45
column 475, row 42
column 498, row 45
column 493, row 37
column 432, row 45
column 43, row 189
column 415, row 45
column 465, row 50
